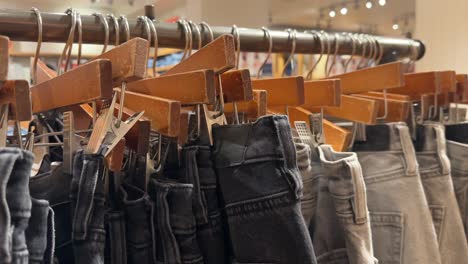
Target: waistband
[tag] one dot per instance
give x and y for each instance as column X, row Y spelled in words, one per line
column 458, row 154
column 383, row 137
column 267, row 139
column 303, row 155
column 430, row 136
column 457, row 132
column 336, row 163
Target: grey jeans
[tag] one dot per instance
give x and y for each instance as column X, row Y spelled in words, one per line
column 401, row 221
column 335, row 205
column 434, row 168
column 15, row 204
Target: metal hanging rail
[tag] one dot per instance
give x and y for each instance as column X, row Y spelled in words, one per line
column 22, row 26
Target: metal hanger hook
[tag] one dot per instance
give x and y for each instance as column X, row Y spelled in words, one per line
column 352, row 54
column 188, row 38
column 293, row 35
column 266, row 32
column 80, row 37
column 322, row 49
column 363, row 43
column 327, row 36
column 103, row 20
column 195, row 27
column 68, row 45
column 124, row 20
column 208, row 27
column 39, row 43
column 335, row 55
column 116, row 28
column 236, row 34
column 155, row 45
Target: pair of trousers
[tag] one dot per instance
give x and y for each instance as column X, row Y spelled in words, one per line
column 261, row 188
column 15, row 204
column 335, row 205
column 401, row 221
column 434, row 168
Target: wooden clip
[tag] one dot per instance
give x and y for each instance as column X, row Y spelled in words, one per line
column 287, row 91
column 184, row 127
column 386, row 76
column 115, row 158
column 16, row 95
column 137, row 138
column 418, row 84
column 84, row 84
column 322, row 93
column 252, row 109
column 4, row 57
column 237, row 86
column 163, row 113
column 190, row 88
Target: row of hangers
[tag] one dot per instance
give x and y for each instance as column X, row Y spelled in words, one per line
column 112, row 104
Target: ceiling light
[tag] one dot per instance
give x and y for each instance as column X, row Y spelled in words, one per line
column 369, row 4
column 382, row 2
column 344, row 11
column 395, row 26
column 332, row 13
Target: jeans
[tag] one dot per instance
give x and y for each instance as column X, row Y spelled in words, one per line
column 336, row 206
column 303, row 155
column 15, row 204
column 401, row 222
column 54, row 187
column 434, row 168
column 198, row 170
column 40, row 233
column 139, row 227
column 261, row 190
column 174, row 221
column 88, row 208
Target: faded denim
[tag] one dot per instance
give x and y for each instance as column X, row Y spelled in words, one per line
column 434, row 168
column 40, row 233
column 174, row 221
column 15, row 204
column 88, row 208
column 261, row 188
column 401, row 221
column 336, row 207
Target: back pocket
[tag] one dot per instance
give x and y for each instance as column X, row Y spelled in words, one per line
column 387, row 236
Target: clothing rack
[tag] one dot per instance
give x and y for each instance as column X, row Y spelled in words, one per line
column 22, row 26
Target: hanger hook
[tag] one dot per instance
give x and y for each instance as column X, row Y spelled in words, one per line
column 195, row 27
column 372, row 50
column 352, row 54
column 80, row 37
column 39, row 43
column 322, row 48
column 188, row 38
column 145, row 23
column 327, row 36
column 69, row 42
column 335, row 55
column 208, row 27
column 381, row 51
column 266, row 32
column 106, row 30
column 363, row 42
column 236, row 34
column 376, row 51
column 116, row 28
column 124, row 20
column 291, row 34
column 155, row 45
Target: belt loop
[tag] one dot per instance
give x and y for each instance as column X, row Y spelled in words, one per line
column 442, row 149
column 49, row 252
column 408, row 149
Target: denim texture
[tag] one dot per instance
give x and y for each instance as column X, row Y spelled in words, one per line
column 304, row 163
column 15, row 204
column 116, row 243
column 434, row 168
column 401, row 221
column 88, row 208
column 54, row 187
column 198, row 170
column 40, row 233
column 261, row 188
column 174, row 222
column 139, row 226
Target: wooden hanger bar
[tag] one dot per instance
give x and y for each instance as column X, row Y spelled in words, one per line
column 448, row 81
column 386, row 76
column 218, row 55
column 16, row 94
column 397, row 111
column 417, row 84
column 287, row 91
column 190, row 88
column 128, row 60
column 183, row 136
column 322, row 93
column 389, row 96
column 253, row 109
column 163, row 113
column 237, row 86
column 87, row 83
column 4, row 57
column 462, row 87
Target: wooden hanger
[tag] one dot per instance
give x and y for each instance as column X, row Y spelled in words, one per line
column 417, row 84
column 285, row 91
column 4, row 57
column 237, row 86
column 462, row 87
column 252, row 109
column 397, row 110
column 322, row 93
column 16, row 95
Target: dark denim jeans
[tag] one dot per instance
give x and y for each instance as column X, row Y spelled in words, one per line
column 261, row 190
column 198, row 170
column 40, row 235
column 54, row 187
column 139, row 227
column 15, row 204
column 174, row 221
column 88, row 208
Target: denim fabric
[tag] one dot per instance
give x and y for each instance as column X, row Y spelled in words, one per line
column 88, row 208
column 15, row 204
column 434, row 168
column 303, row 155
column 116, row 247
column 401, row 221
column 174, row 221
column 54, row 187
column 261, row 189
column 139, row 227
column 40, row 233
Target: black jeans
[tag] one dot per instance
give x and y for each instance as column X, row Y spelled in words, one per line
column 261, row 189
column 88, row 208
column 40, row 233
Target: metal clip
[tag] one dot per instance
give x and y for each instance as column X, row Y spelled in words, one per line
column 316, row 128
column 3, row 124
column 68, row 141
